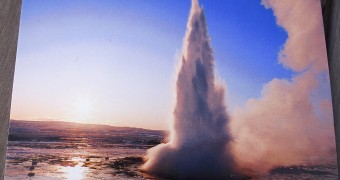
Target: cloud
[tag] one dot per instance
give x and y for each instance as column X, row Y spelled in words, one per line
column 282, row 127
column 285, row 126
column 305, row 46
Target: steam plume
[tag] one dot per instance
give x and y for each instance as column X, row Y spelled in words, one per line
column 198, row 146
column 287, row 126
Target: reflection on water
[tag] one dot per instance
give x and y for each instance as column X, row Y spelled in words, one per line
column 76, row 151
column 60, row 164
column 120, row 163
column 76, row 172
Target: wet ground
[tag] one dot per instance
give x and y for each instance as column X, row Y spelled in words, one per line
column 103, row 163
column 59, row 150
column 41, row 152
column 116, row 163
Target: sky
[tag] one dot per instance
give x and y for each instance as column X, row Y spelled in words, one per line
column 114, row 62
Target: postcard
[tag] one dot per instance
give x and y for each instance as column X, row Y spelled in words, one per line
column 171, row 89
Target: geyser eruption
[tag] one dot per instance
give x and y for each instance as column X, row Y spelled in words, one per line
column 198, row 146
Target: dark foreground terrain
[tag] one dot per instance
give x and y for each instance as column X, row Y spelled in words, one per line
column 82, row 135
column 63, row 150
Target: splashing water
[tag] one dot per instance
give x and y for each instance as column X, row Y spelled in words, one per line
column 198, row 146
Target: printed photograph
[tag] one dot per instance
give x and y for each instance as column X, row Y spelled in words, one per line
column 171, row 89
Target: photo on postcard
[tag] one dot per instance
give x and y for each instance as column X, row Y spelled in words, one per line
column 171, row 89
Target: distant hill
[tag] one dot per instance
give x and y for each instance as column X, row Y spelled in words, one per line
column 67, row 131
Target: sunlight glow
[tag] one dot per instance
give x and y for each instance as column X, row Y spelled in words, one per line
column 82, row 110
column 76, row 172
column 83, row 106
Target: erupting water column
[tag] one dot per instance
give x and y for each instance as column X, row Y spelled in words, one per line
column 198, row 145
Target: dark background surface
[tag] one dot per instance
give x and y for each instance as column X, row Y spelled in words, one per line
column 331, row 16
column 9, row 27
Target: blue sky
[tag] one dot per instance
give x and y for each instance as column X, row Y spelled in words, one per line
column 113, row 61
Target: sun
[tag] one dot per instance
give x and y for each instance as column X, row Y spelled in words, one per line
column 83, row 106
column 83, row 110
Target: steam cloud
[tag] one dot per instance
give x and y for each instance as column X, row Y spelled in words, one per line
column 198, row 146
column 287, row 126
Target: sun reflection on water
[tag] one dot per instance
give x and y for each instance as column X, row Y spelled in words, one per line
column 76, row 172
